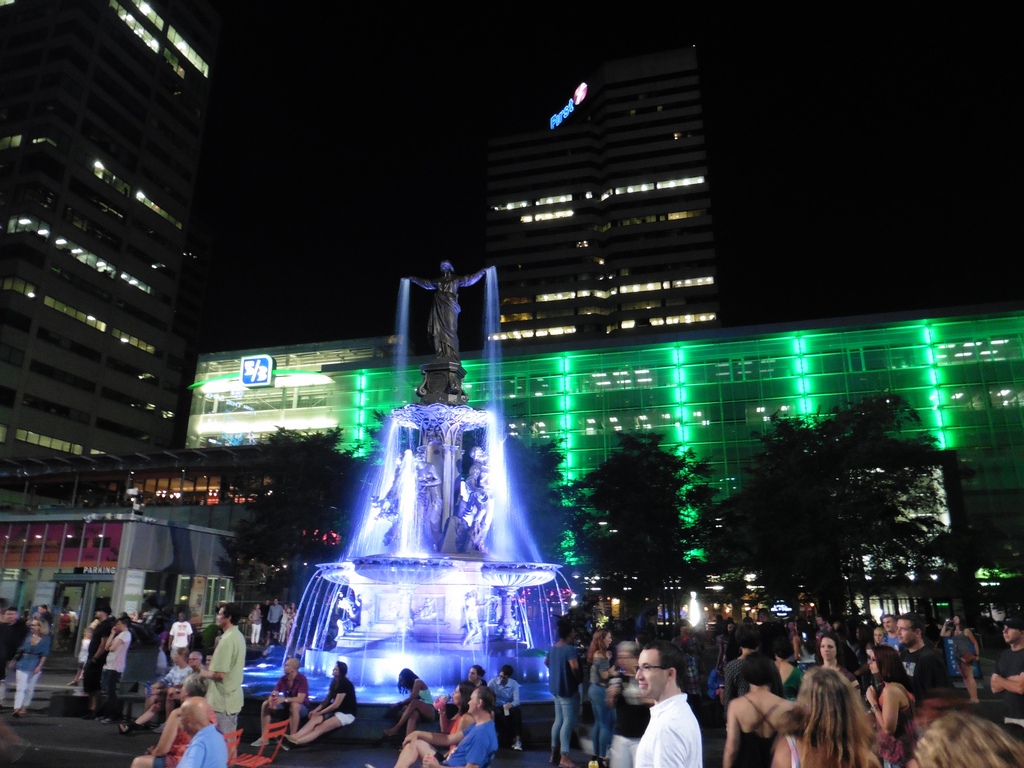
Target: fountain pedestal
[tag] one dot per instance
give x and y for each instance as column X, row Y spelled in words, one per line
column 442, row 383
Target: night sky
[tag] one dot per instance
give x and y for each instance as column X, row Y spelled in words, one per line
column 859, row 162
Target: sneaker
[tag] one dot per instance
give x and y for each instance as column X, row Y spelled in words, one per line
column 257, row 743
column 106, row 720
column 159, row 728
column 517, row 745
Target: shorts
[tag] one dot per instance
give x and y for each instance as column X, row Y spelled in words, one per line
column 92, row 677
column 160, row 762
column 345, row 718
column 226, row 723
column 282, row 711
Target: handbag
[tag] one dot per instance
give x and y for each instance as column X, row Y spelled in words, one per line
column 969, row 657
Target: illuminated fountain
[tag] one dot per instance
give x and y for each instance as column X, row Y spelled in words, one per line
column 441, row 572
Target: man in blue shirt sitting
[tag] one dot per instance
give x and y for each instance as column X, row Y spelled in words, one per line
column 508, row 717
column 207, row 748
column 476, row 745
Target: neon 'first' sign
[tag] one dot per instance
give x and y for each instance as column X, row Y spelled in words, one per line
column 579, row 95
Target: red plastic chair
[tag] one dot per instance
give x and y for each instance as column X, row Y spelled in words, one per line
column 233, row 740
column 274, row 731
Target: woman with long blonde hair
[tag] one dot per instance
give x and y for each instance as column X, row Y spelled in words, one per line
column 828, row 727
column 961, row 740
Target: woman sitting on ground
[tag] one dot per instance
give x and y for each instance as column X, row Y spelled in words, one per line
column 413, row 750
column 174, row 740
column 418, row 707
column 753, row 719
column 827, row 727
column 338, row 709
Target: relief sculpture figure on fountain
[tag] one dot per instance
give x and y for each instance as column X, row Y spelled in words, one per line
column 476, row 506
column 428, row 500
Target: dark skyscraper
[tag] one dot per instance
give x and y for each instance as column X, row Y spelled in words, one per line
column 102, row 271
column 600, row 225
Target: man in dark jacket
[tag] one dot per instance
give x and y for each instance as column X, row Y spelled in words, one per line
column 92, row 678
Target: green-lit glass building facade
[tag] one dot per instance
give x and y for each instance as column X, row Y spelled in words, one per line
column 712, row 391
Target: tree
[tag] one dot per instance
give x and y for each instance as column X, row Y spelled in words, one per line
column 836, row 505
column 298, row 511
column 637, row 527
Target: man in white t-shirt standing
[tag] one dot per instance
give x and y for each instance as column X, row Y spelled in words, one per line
column 673, row 736
column 180, row 635
column 117, row 657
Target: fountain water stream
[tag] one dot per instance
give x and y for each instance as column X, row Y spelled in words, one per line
column 441, row 571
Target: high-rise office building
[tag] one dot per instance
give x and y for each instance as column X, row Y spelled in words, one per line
column 102, row 108
column 600, row 223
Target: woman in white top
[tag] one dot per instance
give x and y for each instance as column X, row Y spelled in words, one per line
column 255, row 624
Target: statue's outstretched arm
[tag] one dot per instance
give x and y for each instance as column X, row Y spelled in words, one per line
column 471, row 279
column 423, row 282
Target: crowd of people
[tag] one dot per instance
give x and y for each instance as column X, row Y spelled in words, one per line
column 270, row 622
column 194, row 703
column 791, row 694
column 815, row 693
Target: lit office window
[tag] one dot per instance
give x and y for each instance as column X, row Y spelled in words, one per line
column 511, row 206
column 554, row 199
column 146, row 10
column 141, row 197
column 18, row 285
column 100, row 172
column 182, row 45
column 34, row 438
column 692, row 281
column 686, row 214
column 672, row 183
column 28, row 223
column 77, row 314
column 547, row 216
column 135, row 26
column 7, row 142
column 638, row 287
column 126, row 338
column 560, row 296
column 173, row 62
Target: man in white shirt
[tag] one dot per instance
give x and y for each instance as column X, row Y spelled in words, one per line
column 672, row 739
column 180, row 634
column 117, row 657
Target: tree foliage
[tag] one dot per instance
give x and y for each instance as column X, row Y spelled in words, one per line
column 836, row 505
column 298, row 509
column 637, row 523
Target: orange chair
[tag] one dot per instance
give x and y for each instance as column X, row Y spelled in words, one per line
column 232, row 740
column 274, row 731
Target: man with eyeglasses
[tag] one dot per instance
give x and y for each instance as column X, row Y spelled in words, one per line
column 1008, row 677
column 672, row 738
